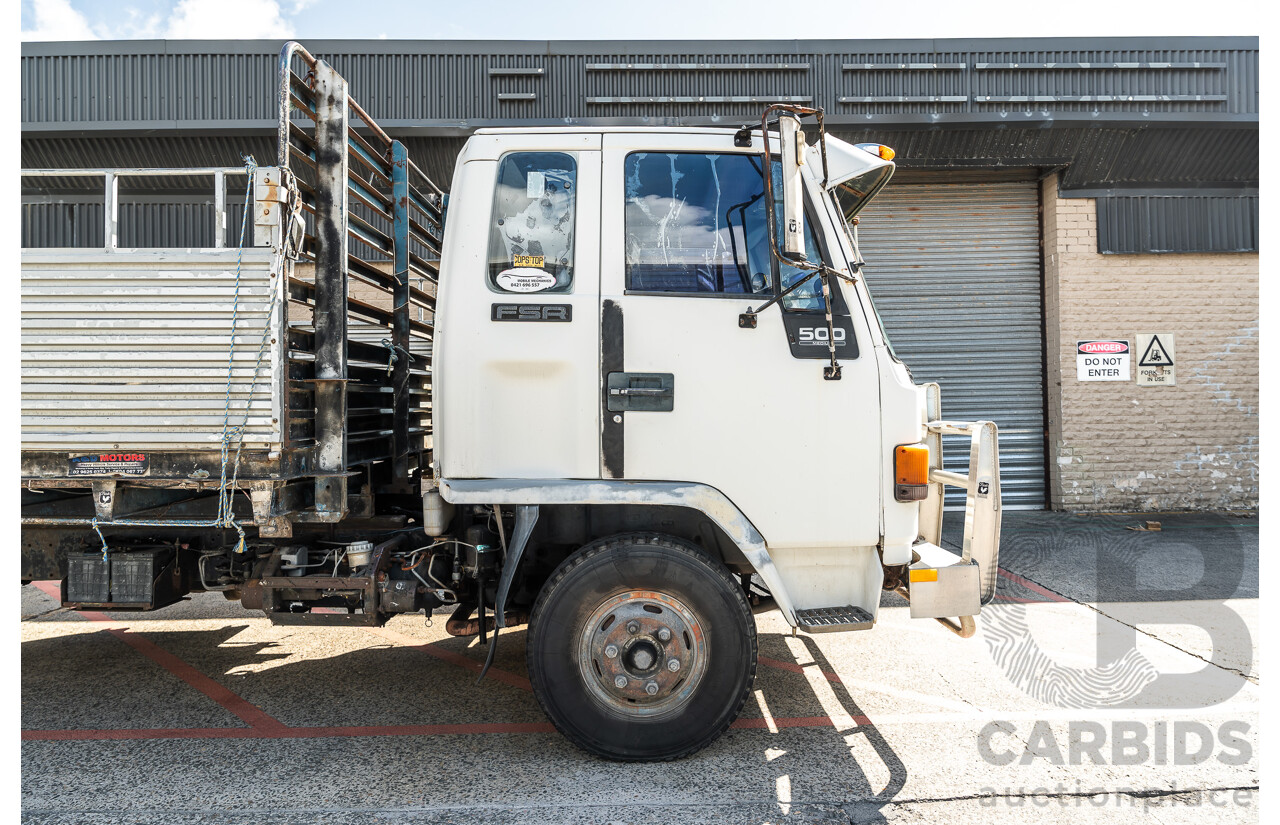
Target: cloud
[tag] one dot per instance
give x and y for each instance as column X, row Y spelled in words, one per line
column 187, row 19
column 226, row 19
column 57, row 20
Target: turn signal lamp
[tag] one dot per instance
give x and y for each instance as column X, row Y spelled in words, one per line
column 879, row 150
column 911, row 472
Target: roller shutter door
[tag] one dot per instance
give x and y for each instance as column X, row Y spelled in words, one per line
column 954, row 270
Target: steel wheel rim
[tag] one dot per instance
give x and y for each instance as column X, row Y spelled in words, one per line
column 627, row 664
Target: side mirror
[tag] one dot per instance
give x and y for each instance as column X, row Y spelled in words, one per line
column 791, row 138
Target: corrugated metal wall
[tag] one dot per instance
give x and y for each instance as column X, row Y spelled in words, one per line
column 141, row 225
column 134, row 356
column 1153, row 111
column 1178, row 224
column 954, row 270
column 176, row 81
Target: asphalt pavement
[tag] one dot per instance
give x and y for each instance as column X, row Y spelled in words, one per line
column 1114, row 678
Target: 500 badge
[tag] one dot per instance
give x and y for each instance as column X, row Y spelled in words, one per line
column 817, row 336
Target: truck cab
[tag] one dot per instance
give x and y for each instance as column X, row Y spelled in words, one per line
column 620, row 356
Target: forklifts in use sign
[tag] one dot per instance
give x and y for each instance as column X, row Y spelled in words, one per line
column 1155, row 364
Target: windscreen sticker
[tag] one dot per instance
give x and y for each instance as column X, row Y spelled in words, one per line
column 107, row 464
column 529, row 261
column 525, row 279
column 535, row 185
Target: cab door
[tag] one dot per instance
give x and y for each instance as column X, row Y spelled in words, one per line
column 687, row 393
column 516, row 367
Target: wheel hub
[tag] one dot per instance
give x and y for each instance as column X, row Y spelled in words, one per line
column 642, row 653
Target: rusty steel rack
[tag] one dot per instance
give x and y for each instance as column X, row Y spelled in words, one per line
column 345, row 284
column 374, row 225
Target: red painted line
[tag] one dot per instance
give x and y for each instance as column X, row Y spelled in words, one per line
column 795, row 722
column 52, row 589
column 139, row 733
column 1030, row 585
column 264, row 726
column 289, row 732
column 244, row 710
column 1000, row 597
column 431, row 649
column 794, row 668
column 423, row 730
column 284, row 732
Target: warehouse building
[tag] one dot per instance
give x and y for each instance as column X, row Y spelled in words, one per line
column 1070, row 245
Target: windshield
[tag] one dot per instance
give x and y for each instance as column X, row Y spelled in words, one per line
column 855, row 200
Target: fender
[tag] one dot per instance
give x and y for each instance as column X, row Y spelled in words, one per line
column 705, row 499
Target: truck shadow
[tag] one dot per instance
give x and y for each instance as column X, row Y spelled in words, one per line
column 803, row 748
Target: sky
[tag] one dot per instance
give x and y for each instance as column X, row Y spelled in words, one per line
column 649, row 19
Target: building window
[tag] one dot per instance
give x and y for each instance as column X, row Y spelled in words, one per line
column 531, row 235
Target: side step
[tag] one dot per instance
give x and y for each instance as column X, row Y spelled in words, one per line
column 833, row 619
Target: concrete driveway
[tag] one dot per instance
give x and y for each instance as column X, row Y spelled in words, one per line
column 1114, row 678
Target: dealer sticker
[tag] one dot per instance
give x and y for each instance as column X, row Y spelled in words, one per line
column 108, row 464
column 523, row 279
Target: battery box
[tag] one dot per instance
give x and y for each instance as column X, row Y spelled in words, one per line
column 144, row 579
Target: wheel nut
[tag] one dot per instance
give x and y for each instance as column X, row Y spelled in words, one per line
column 673, row 665
column 651, row 688
column 664, row 635
column 611, row 651
column 633, row 627
column 620, row 681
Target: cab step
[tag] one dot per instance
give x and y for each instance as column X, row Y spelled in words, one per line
column 833, row 619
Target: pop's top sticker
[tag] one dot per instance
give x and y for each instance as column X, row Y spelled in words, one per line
column 524, row 279
column 531, row 261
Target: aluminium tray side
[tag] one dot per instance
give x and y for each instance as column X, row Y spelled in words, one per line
column 128, row 350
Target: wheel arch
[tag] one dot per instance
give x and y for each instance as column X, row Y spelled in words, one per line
column 729, row 521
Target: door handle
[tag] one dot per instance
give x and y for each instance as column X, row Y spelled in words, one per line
column 641, row 391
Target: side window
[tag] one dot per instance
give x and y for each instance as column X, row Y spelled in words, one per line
column 531, row 231
column 695, row 224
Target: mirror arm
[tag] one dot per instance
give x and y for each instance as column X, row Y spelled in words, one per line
column 748, row 319
column 831, row 372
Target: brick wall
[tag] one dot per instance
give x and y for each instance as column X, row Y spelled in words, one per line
column 1118, row 446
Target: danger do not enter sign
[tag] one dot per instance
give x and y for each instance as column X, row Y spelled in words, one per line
column 1102, row 360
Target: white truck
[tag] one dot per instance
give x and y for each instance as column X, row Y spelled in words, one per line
column 631, row 387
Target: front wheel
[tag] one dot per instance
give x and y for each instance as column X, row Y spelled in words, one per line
column 641, row 648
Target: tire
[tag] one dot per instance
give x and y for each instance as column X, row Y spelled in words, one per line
column 600, row 621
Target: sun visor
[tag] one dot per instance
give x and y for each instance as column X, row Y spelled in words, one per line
column 858, row 171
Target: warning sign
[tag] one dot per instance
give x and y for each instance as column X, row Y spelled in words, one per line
column 1156, row 360
column 1102, row 360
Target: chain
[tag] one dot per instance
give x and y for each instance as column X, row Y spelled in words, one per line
column 392, row 358
column 226, row 514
